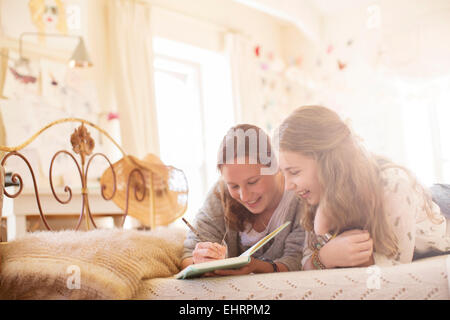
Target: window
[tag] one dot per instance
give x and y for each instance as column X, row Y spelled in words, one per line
column 441, row 116
column 194, row 109
column 426, row 109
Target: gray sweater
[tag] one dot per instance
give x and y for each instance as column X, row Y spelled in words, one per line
column 286, row 247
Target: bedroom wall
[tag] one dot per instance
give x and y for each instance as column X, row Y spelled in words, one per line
column 347, row 77
column 79, row 92
column 201, row 23
column 375, row 65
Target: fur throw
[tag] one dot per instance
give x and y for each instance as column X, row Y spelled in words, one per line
column 97, row 264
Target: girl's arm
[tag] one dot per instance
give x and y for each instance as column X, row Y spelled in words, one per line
column 210, row 224
column 352, row 248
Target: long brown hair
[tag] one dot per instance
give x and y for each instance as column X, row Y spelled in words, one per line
column 350, row 177
column 236, row 214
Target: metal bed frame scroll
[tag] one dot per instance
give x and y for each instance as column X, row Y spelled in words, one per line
column 82, row 145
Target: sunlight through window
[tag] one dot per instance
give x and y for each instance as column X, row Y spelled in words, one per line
column 194, row 110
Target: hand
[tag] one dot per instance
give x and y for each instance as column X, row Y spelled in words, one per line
column 247, row 269
column 208, row 251
column 349, row 249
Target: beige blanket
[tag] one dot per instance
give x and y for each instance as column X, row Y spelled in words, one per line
column 421, row 279
column 98, row 264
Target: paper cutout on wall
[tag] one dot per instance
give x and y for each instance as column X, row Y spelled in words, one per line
column 257, row 48
column 49, row 16
column 341, row 65
column 330, row 49
column 65, row 93
column 112, row 116
column 22, row 77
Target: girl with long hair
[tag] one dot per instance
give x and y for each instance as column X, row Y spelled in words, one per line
column 359, row 208
column 247, row 203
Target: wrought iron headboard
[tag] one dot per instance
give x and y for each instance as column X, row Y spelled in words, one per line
column 82, row 145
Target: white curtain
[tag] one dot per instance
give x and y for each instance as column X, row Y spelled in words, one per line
column 244, row 73
column 130, row 44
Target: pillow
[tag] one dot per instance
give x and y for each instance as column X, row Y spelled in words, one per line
column 95, row 264
column 441, row 196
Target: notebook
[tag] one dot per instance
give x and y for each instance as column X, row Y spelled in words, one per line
column 195, row 270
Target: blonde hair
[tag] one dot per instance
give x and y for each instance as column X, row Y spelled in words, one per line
column 349, row 176
column 37, row 8
column 236, row 214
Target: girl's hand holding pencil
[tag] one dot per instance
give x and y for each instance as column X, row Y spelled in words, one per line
column 206, row 250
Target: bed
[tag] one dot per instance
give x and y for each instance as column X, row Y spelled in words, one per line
column 139, row 264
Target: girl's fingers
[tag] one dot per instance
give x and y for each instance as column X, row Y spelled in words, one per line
column 233, row 272
column 221, row 249
column 208, row 253
column 361, row 237
column 363, row 256
column 364, row 246
column 204, row 245
column 227, row 272
column 202, row 259
column 209, row 274
column 353, row 231
column 208, row 246
column 205, row 260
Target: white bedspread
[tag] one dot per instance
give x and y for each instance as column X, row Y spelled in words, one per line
column 422, row 279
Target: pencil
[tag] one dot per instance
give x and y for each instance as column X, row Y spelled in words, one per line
column 193, row 230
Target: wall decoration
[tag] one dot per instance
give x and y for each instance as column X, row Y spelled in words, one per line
column 275, row 84
column 63, row 17
column 257, row 51
column 112, row 116
column 341, row 65
column 22, row 77
column 48, row 16
column 58, row 92
column 330, row 49
column 43, row 90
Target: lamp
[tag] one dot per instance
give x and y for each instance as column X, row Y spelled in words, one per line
column 79, row 58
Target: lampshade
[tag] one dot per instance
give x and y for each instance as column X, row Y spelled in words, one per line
column 80, row 57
